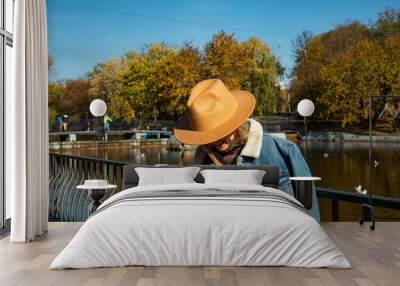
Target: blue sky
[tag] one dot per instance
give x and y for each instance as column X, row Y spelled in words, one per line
column 80, row 37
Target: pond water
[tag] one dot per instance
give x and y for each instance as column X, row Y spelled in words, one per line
column 340, row 165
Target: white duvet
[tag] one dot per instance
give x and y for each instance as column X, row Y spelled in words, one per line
column 200, row 231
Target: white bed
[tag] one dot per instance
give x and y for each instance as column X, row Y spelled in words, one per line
column 270, row 229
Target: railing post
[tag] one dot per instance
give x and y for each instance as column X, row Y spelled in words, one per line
column 85, row 169
column 366, row 212
column 335, row 210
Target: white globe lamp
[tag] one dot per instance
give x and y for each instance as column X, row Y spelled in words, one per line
column 305, row 107
column 98, row 107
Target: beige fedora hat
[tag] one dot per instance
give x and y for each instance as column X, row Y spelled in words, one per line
column 213, row 113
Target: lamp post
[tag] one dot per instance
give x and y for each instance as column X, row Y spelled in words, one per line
column 98, row 108
column 97, row 188
column 305, row 108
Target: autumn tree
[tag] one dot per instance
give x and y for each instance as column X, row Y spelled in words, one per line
column 105, row 82
column 70, row 98
column 338, row 69
column 156, row 82
column 247, row 65
column 312, row 54
column 369, row 68
column 179, row 73
column 141, row 82
column 224, row 58
column 76, row 99
column 345, row 83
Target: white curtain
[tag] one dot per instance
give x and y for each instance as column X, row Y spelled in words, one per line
column 27, row 124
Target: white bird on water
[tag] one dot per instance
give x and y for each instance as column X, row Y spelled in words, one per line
column 360, row 190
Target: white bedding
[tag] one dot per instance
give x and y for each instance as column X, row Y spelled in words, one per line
column 190, row 231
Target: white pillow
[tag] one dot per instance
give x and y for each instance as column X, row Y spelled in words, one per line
column 166, row 176
column 248, row 177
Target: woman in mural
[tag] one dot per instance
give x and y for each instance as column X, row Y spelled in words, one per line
column 218, row 121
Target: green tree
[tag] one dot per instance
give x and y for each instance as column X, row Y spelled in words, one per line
column 264, row 72
column 56, row 93
column 387, row 24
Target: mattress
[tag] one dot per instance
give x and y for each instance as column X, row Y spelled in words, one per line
column 201, row 225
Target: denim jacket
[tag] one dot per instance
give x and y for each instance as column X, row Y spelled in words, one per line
column 266, row 149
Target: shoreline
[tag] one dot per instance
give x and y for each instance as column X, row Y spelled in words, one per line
column 315, row 136
column 334, row 136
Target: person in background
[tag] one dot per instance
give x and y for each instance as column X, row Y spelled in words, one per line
column 86, row 121
column 65, row 123
column 218, row 122
column 60, row 122
column 107, row 119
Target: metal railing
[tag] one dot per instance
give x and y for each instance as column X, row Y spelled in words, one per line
column 273, row 123
column 66, row 203
column 294, row 123
column 89, row 124
column 336, row 197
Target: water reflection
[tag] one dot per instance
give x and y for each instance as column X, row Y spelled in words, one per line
column 345, row 165
column 143, row 155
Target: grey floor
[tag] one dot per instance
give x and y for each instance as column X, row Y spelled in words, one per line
column 375, row 257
